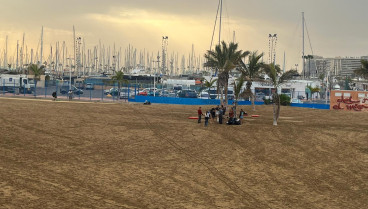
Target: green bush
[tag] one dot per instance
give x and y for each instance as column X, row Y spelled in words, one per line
column 285, row 100
column 267, row 101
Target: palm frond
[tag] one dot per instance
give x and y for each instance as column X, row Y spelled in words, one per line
column 287, row 76
column 238, row 86
column 363, row 71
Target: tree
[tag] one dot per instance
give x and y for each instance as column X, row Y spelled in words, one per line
column 37, row 71
column 313, row 90
column 251, row 72
column 209, row 85
column 363, row 71
column 237, row 89
column 224, row 58
column 277, row 78
column 119, row 78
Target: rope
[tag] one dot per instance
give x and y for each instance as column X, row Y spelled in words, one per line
column 310, row 44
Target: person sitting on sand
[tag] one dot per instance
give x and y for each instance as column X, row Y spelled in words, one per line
column 54, row 95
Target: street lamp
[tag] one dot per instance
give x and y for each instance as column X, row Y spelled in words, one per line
column 308, row 57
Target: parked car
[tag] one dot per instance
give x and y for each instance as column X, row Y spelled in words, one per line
column 296, row 101
column 79, row 84
column 204, row 95
column 89, row 86
column 178, row 87
column 142, row 93
column 125, row 93
column 187, row 93
column 112, row 92
column 65, row 89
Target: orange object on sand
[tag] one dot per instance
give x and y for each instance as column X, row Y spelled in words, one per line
column 196, row 118
column 255, row 116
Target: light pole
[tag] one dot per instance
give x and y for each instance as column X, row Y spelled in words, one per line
column 272, row 41
column 70, row 73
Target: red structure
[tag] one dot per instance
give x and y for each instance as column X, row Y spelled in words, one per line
column 349, row 100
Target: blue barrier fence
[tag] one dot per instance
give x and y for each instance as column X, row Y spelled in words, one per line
column 186, row 101
column 311, row 105
column 190, row 101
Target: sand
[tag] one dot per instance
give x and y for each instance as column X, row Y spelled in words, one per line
column 96, row 155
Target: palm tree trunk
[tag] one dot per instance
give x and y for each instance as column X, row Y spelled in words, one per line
column 278, row 107
column 226, row 99
column 119, row 89
column 274, row 115
column 250, row 94
column 222, row 95
column 252, row 98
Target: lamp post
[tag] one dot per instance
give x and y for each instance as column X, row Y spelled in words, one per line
column 309, row 57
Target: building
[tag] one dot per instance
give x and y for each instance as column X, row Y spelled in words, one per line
column 339, row 66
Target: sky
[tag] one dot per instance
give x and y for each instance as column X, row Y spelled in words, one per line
column 335, row 27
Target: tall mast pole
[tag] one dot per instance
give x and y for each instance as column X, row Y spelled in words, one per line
column 284, row 62
column 220, row 21
column 22, row 53
column 71, row 65
column 41, row 44
column 16, row 66
column 6, row 53
column 303, row 45
column 63, row 62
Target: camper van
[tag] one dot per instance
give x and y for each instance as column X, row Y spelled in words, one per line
column 16, row 83
column 214, row 95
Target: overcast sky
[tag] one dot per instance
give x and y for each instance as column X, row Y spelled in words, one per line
column 335, row 27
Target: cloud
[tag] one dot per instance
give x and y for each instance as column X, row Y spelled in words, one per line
column 336, row 27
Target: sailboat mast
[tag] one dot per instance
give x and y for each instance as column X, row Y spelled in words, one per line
column 283, row 69
column 6, row 53
column 71, row 65
column 303, row 45
column 220, row 21
column 41, row 44
column 16, row 66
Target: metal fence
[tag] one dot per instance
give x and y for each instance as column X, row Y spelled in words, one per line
column 134, row 92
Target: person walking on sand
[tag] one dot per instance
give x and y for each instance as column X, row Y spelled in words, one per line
column 206, row 118
column 70, row 94
column 220, row 115
column 241, row 116
column 199, row 115
column 213, row 114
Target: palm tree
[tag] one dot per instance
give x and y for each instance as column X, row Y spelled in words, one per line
column 119, row 78
column 251, row 72
column 277, row 78
column 224, row 58
column 313, row 90
column 37, row 71
column 237, row 89
column 363, row 71
column 209, row 85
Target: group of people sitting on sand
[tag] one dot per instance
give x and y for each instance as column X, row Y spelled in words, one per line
column 219, row 113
